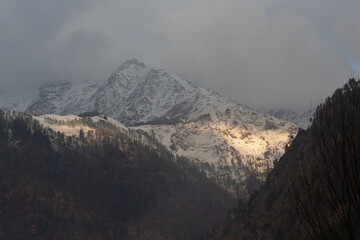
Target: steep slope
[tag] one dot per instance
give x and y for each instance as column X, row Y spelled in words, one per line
column 133, row 94
column 63, row 98
column 103, row 184
column 270, row 212
column 303, row 120
column 241, row 175
column 136, row 95
column 236, row 147
column 313, row 191
column 233, row 143
column 17, row 100
column 284, row 114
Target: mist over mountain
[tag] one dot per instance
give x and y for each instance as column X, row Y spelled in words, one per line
column 170, row 132
column 235, row 145
column 262, row 53
column 302, row 120
column 179, row 120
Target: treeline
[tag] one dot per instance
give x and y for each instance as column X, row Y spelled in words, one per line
column 108, row 135
column 100, row 185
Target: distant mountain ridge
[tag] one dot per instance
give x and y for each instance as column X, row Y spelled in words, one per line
column 234, row 144
column 133, row 94
column 302, row 120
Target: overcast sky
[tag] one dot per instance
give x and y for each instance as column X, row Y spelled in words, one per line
column 263, row 53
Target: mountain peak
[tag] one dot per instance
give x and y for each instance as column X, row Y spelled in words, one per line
column 132, row 63
column 189, row 120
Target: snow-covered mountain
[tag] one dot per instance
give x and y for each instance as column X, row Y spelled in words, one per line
column 234, row 144
column 302, row 120
column 134, row 94
column 235, row 147
column 284, row 114
column 63, row 99
column 17, row 100
column 305, row 119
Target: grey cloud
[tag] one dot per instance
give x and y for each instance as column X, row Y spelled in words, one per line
column 348, row 31
column 26, row 27
column 260, row 53
column 80, row 56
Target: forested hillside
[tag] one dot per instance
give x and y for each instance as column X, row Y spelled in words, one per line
column 313, row 191
column 104, row 185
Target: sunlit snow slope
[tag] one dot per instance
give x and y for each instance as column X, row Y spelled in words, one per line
column 234, row 144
